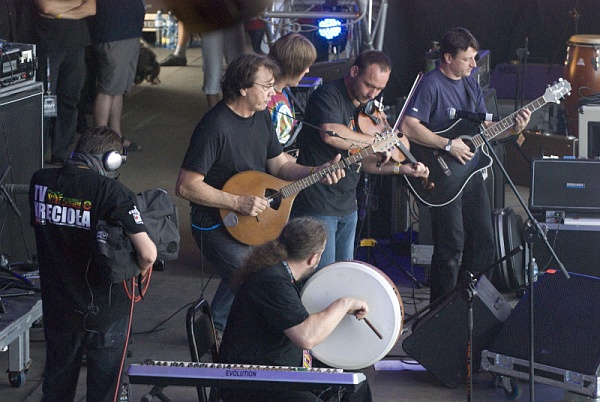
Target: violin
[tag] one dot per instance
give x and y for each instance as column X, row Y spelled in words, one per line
column 371, row 119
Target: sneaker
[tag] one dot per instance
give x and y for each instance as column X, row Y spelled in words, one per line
column 174, row 60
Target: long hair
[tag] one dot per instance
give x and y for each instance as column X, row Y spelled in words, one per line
column 241, row 73
column 456, row 40
column 299, row 239
column 294, row 53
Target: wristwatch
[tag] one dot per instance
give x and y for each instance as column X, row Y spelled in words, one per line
column 448, row 146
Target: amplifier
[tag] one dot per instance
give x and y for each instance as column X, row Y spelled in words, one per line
column 18, row 63
column 569, row 185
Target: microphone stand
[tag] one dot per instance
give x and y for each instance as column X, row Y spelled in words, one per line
column 532, row 230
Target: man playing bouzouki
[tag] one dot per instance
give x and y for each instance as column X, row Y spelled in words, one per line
column 461, row 228
column 235, row 136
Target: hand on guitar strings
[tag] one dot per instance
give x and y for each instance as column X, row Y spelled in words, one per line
column 461, row 151
column 332, row 175
column 251, row 205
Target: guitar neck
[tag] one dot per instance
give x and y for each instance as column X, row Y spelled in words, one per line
column 314, row 178
column 505, row 123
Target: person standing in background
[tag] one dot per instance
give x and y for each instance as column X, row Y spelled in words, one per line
column 61, row 35
column 116, row 30
column 84, row 311
column 227, row 42
column 294, row 54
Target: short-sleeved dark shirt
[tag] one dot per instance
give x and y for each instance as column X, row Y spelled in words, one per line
column 263, row 308
column 330, row 103
column 66, row 205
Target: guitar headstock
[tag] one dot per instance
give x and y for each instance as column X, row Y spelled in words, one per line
column 385, row 142
column 557, row 91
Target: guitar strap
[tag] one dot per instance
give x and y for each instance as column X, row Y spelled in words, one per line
column 470, row 94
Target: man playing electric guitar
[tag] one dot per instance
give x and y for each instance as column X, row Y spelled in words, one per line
column 462, row 227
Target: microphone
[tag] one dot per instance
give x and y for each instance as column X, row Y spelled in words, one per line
column 475, row 116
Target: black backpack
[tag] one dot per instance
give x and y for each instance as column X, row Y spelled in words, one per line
column 113, row 253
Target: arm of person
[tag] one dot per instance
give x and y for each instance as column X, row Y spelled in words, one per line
column 419, row 134
column 371, row 164
column 319, row 326
column 145, row 250
column 285, row 168
column 342, row 137
column 191, row 186
column 67, row 9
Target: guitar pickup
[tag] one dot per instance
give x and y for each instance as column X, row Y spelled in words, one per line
column 443, row 165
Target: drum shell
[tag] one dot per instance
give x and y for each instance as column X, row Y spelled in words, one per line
column 582, row 70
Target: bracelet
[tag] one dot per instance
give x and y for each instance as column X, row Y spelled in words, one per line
column 312, row 170
column 58, row 16
column 397, row 168
column 513, row 131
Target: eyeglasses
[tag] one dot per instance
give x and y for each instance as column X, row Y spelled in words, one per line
column 266, row 87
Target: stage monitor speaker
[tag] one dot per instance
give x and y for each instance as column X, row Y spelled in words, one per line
column 569, row 185
column 20, row 152
column 566, row 324
column 589, row 132
column 439, row 340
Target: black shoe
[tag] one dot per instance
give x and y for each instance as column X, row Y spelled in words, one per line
column 174, row 60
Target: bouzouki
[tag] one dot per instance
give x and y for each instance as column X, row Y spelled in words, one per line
column 447, row 176
column 256, row 230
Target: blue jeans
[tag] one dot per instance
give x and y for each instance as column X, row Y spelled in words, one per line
column 341, row 231
column 225, row 255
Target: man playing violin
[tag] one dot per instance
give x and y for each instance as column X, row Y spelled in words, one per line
column 332, row 108
column 236, row 135
column 462, row 229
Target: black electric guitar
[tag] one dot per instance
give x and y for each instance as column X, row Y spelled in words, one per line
column 447, row 176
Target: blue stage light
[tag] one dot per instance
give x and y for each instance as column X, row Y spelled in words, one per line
column 330, row 28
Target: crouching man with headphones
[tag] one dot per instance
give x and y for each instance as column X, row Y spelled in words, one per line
column 83, row 310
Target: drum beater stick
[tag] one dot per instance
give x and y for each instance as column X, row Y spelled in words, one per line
column 373, row 328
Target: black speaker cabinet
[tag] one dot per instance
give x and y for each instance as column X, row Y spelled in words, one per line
column 569, row 185
column 21, row 153
column 439, row 340
column 566, row 324
column 575, row 245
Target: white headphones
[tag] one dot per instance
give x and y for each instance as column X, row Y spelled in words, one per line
column 113, row 160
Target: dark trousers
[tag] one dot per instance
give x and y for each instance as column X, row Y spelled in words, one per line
column 461, row 229
column 64, row 350
column 225, row 255
column 67, row 76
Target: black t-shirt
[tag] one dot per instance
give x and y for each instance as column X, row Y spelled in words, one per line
column 53, row 35
column 66, row 205
column 263, row 308
column 328, row 104
column 224, row 144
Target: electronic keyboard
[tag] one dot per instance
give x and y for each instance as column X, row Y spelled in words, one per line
column 164, row 373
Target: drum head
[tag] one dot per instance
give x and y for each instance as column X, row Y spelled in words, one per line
column 353, row 344
column 585, row 39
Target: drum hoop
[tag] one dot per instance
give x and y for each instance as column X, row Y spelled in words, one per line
column 584, row 40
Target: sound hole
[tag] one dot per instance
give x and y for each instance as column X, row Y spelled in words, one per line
column 275, row 198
